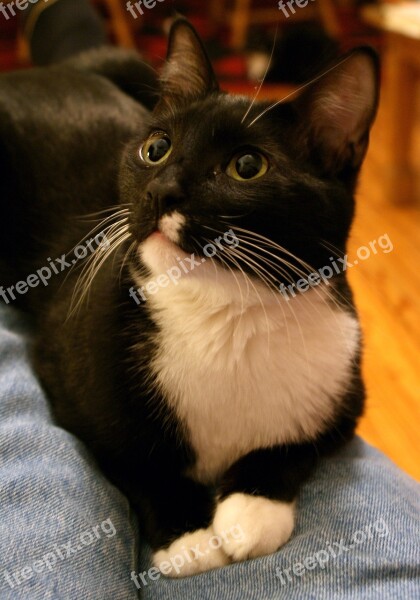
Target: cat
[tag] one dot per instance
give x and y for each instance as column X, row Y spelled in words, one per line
column 205, row 395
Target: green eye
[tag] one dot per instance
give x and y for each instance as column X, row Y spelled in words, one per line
column 156, row 149
column 244, row 167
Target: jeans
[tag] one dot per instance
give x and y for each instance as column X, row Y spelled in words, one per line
column 67, row 534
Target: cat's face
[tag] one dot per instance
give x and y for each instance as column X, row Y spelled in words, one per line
column 280, row 178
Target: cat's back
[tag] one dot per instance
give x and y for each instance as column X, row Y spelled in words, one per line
column 63, row 130
column 62, row 101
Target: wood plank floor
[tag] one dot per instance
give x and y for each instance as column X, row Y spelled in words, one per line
column 387, row 291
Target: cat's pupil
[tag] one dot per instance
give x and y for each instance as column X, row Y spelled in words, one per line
column 158, row 149
column 249, row 165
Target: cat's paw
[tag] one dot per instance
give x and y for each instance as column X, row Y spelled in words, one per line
column 265, row 524
column 190, row 554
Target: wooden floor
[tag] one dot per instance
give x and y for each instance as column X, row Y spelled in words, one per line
column 387, row 291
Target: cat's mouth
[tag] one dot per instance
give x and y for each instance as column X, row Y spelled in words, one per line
column 168, row 231
column 158, row 235
column 162, row 248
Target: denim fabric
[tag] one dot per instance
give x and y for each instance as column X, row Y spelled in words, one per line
column 357, row 532
column 51, row 494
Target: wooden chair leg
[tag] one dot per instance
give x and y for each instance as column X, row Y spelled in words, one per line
column 120, row 22
column 329, row 18
column 22, row 50
column 240, row 22
column 402, row 82
column 242, row 15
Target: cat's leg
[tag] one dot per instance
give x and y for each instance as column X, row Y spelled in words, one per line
column 176, row 515
column 258, row 495
column 253, row 516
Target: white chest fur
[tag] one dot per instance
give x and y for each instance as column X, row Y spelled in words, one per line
column 242, row 375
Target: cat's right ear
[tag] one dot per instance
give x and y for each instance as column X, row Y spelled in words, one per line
column 187, row 74
column 336, row 112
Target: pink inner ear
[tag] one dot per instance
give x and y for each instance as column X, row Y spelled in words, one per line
column 346, row 102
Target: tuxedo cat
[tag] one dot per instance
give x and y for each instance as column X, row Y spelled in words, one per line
column 206, row 397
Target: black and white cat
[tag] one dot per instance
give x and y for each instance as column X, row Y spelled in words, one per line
column 209, row 403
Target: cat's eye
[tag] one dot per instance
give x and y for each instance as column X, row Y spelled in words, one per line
column 156, row 149
column 247, row 166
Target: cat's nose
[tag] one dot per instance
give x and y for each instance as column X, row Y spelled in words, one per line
column 166, row 195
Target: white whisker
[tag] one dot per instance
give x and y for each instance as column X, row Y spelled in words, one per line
column 263, row 79
column 116, row 234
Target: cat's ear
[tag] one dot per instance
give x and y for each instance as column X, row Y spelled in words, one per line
column 187, row 74
column 336, row 113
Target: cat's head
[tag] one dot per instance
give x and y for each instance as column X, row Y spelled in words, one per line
column 279, row 177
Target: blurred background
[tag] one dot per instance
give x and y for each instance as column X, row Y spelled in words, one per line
column 239, row 35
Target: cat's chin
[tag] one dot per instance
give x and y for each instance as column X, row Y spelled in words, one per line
column 161, row 254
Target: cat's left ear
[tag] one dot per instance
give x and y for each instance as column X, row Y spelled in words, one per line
column 336, row 113
column 187, row 74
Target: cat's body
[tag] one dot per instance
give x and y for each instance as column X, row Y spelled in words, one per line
column 209, row 403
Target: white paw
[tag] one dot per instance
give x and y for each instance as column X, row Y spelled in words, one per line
column 265, row 525
column 191, row 553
